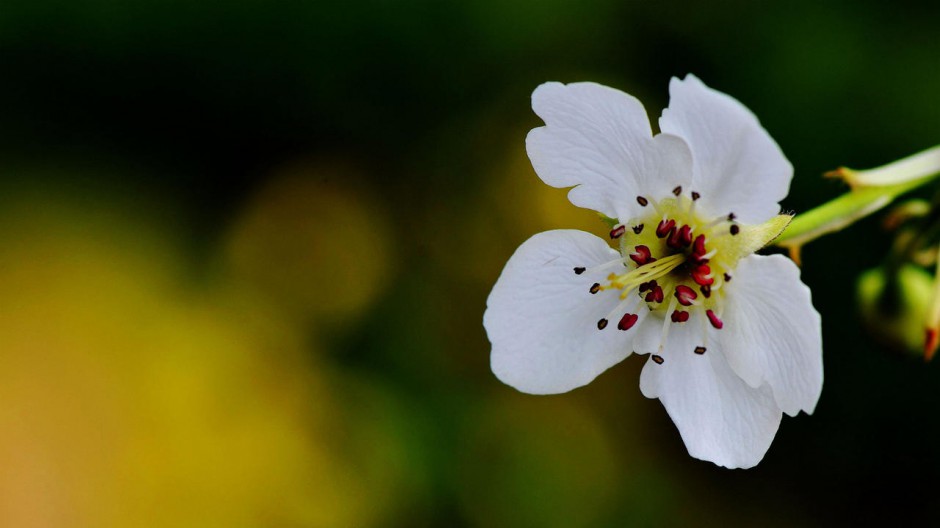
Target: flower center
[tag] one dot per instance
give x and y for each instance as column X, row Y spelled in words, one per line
column 678, row 260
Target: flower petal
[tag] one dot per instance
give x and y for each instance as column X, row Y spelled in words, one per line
column 737, row 165
column 772, row 333
column 598, row 139
column 542, row 319
column 721, row 418
column 648, row 335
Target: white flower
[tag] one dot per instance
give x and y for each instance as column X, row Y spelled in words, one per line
column 733, row 337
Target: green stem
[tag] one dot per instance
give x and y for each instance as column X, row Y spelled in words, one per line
column 839, row 213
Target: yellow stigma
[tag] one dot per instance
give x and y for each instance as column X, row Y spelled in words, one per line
column 652, row 271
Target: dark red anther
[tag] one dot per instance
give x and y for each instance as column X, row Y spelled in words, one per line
column 685, row 235
column 658, row 295
column 714, row 320
column 657, row 359
column 579, row 270
column 602, row 324
column 701, row 275
column 642, row 201
column 727, row 278
column 700, row 350
column 679, row 316
column 637, row 229
column 618, row 231
column 673, row 240
column 685, row 295
column 677, row 191
column 695, row 196
column 665, row 228
column 595, row 288
column 706, row 291
column 698, row 247
column 642, row 255
column 680, row 238
column 655, row 294
column 647, row 285
column 627, row 321
column 735, row 229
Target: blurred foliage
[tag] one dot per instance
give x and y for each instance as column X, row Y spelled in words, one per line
column 245, row 249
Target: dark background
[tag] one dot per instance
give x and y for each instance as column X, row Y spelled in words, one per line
column 245, row 249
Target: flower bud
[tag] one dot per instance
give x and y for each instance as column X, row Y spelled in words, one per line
column 910, row 169
column 894, row 309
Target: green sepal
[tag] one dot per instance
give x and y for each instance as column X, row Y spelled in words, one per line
column 611, row 222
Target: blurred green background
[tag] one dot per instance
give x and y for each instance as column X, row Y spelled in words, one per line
column 245, row 249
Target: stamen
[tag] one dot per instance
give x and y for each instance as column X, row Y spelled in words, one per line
column 637, row 229
column 700, row 350
column 698, row 247
column 680, row 316
column 677, row 191
column 701, row 274
column 602, row 324
column 627, row 321
column 603, row 266
column 714, row 320
column 647, row 285
column 685, row 235
column 735, row 229
column 657, row 208
column 706, row 291
column 624, row 306
column 727, row 278
column 665, row 334
column 703, row 331
column 685, row 295
column 596, row 287
column 618, row 231
column 579, row 270
column 657, row 359
column 695, row 196
column 642, row 255
column 680, row 238
column 642, row 201
column 713, row 223
column 673, row 240
column 708, row 255
column 665, row 228
column 655, row 294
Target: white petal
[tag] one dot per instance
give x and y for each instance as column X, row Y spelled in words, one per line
column 772, row 333
column 649, row 335
column 542, row 319
column 737, row 165
column 721, row 418
column 598, row 139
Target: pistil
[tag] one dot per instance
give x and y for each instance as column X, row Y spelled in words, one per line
column 645, row 273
